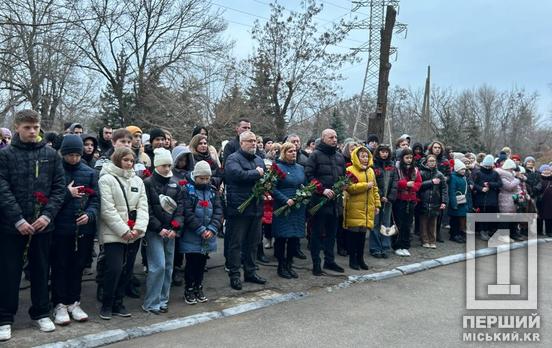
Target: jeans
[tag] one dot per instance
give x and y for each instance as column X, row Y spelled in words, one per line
column 324, row 229
column 118, row 259
column 160, row 253
column 243, row 234
column 378, row 242
column 67, row 267
column 12, row 247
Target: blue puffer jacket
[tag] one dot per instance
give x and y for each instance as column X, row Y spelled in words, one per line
column 202, row 211
column 489, row 198
column 458, row 185
column 240, row 175
column 81, row 175
column 293, row 224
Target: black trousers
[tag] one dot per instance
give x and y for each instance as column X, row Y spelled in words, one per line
column 355, row 244
column 486, row 226
column 457, row 226
column 194, row 269
column 12, row 249
column 67, row 267
column 119, row 258
column 243, row 235
column 403, row 213
column 267, row 231
column 324, row 229
column 280, row 246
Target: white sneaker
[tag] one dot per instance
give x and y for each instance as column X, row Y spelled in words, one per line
column 61, row 316
column 77, row 313
column 433, row 246
column 5, row 332
column 399, row 252
column 505, row 239
column 426, row 245
column 45, row 325
column 406, row 252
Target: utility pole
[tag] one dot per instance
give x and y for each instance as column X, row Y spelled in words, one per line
column 426, row 116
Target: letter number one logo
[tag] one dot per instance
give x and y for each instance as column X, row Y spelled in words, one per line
column 502, row 286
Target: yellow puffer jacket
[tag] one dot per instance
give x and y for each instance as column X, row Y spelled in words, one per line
column 360, row 202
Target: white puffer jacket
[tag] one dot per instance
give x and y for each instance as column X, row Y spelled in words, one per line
column 114, row 213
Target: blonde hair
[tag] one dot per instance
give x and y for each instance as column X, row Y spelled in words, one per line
column 195, row 142
column 119, row 154
column 285, row 148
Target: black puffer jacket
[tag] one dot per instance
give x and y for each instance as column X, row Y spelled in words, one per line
column 533, row 179
column 386, row 176
column 240, row 175
column 489, row 198
column 26, row 168
column 432, row 196
column 81, row 175
column 326, row 165
column 159, row 218
column 232, row 146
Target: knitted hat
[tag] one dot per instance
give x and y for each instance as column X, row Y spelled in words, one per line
column 162, row 156
column 544, row 167
column 372, row 137
column 516, row 157
column 133, row 130
column 509, row 164
column 201, row 168
column 156, row 133
column 488, row 161
column 458, row 166
column 502, row 156
column 529, row 158
column 6, row 132
column 71, row 143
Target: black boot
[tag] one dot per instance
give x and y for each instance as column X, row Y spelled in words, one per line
column 316, row 269
column 353, row 262
column 261, row 255
column 289, row 265
column 360, row 252
column 282, row 270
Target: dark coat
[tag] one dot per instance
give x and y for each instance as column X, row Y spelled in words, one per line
column 533, row 179
column 489, row 198
column 459, row 184
column 159, row 218
column 432, row 196
column 202, row 211
column 240, row 175
column 81, row 175
column 302, row 157
column 231, row 147
column 326, row 165
column 26, row 168
column 293, row 224
column 386, row 177
column 543, row 191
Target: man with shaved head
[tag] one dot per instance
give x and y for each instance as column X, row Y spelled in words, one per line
column 326, row 165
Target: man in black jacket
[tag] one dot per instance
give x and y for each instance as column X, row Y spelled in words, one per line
column 326, row 165
column 233, row 145
column 32, row 190
column 243, row 169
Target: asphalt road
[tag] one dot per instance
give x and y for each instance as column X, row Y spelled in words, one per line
column 420, row 310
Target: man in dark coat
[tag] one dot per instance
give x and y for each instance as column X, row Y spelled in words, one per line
column 32, row 189
column 243, row 169
column 233, row 145
column 104, row 139
column 326, row 165
column 486, row 186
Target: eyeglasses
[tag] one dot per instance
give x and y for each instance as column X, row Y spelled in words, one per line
column 250, row 141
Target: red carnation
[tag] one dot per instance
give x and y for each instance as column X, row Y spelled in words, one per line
column 348, row 164
column 131, row 223
column 377, row 171
column 41, row 198
column 203, row 203
column 318, row 185
column 389, row 168
column 175, row 225
column 451, row 163
column 278, row 171
column 146, row 173
column 182, row 182
column 352, row 177
column 417, row 157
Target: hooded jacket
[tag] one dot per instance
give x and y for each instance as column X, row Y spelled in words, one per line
column 114, row 215
column 160, row 218
column 510, row 187
column 27, row 168
column 177, row 153
column 386, row 174
column 432, row 196
column 361, row 201
column 89, row 159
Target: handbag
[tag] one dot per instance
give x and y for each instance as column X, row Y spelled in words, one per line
column 462, row 198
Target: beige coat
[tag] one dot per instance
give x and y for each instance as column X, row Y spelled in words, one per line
column 113, row 223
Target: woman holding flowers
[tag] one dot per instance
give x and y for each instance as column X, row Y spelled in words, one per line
column 288, row 228
column 361, row 205
column 123, row 221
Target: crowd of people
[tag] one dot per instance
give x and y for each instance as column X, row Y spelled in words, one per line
column 145, row 192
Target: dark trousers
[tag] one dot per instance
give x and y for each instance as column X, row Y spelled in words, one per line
column 457, row 226
column 341, row 235
column 194, row 269
column 403, row 212
column 119, row 260
column 548, row 224
column 486, row 226
column 267, row 231
column 12, row 248
column 67, row 267
column 283, row 244
column 243, row 234
column 355, row 244
column 324, row 228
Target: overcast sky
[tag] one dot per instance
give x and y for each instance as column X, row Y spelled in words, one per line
column 503, row 43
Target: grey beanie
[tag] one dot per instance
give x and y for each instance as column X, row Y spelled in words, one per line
column 202, row 168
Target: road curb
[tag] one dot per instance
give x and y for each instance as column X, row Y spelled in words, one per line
column 119, row 335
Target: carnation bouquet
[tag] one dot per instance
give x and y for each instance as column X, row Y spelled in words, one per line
column 340, row 185
column 302, row 197
column 264, row 185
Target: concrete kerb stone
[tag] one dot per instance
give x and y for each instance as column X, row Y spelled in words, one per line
column 113, row 336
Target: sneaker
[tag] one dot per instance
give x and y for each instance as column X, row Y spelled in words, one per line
column 5, row 332
column 505, row 239
column 61, row 316
column 426, row 245
column 77, row 313
column 484, row 235
column 189, row 296
column 164, row 309
column 152, row 311
column 46, row 325
column 106, row 313
column 200, row 297
column 433, row 246
column 121, row 311
column 406, row 252
column 399, row 252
